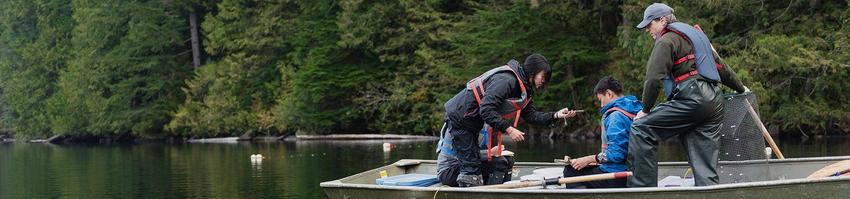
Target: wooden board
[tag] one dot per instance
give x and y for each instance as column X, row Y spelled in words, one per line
column 830, row 170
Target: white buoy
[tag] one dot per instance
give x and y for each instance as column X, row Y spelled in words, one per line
column 257, row 158
column 387, row 147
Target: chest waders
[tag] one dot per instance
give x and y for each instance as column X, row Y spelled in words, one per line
column 694, row 112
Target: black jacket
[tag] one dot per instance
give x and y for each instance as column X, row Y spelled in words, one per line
column 463, row 111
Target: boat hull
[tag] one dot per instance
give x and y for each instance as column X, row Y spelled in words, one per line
column 785, row 179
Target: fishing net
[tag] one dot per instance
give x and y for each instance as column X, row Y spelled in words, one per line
column 741, row 140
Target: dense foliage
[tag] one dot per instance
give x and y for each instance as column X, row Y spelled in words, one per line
column 124, row 68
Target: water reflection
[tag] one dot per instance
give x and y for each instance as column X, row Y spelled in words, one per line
column 289, row 170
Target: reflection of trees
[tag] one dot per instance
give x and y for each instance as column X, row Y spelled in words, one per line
column 290, row 170
column 22, row 166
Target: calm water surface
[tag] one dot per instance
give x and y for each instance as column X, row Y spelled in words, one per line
column 290, row 170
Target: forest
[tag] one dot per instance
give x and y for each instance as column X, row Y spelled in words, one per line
column 212, row 68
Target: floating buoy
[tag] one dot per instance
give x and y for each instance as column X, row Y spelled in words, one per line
column 257, row 158
column 387, row 146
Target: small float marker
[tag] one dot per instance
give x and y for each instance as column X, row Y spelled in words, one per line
column 257, row 158
column 388, row 147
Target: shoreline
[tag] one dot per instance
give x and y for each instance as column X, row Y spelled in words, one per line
column 237, row 139
column 333, row 137
column 290, row 138
column 365, row 137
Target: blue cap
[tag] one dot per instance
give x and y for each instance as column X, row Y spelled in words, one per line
column 654, row 11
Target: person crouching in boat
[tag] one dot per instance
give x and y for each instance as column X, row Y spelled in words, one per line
column 617, row 111
column 500, row 93
column 496, row 164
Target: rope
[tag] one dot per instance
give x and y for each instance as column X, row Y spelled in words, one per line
column 438, row 191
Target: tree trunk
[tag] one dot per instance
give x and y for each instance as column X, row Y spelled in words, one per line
column 571, row 76
column 196, row 44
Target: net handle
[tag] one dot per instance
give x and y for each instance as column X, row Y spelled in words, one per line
column 764, row 131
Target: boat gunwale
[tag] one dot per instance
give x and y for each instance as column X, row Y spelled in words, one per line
column 339, row 184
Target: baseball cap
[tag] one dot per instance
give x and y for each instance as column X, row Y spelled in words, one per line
column 654, row 11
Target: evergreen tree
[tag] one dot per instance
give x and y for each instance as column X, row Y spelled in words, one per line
column 128, row 59
column 34, row 43
column 115, row 68
column 234, row 94
column 328, row 75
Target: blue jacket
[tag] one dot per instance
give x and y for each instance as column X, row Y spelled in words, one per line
column 616, row 136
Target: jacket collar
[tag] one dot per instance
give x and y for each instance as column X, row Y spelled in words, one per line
column 514, row 64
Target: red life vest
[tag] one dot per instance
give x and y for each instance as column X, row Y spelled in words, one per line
column 509, row 108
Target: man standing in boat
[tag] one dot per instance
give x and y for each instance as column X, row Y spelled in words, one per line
column 691, row 71
column 502, row 92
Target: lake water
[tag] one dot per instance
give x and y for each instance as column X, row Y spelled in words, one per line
column 290, row 170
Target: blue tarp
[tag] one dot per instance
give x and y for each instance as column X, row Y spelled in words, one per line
column 417, row 180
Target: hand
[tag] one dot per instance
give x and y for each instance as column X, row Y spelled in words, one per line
column 640, row 114
column 515, row 134
column 582, row 162
column 496, row 151
column 565, row 113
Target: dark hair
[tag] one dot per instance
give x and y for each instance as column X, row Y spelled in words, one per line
column 608, row 83
column 535, row 63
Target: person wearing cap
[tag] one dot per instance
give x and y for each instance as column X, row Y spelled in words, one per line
column 503, row 92
column 685, row 63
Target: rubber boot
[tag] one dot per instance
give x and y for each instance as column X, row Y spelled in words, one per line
column 469, row 180
column 496, row 177
column 694, row 114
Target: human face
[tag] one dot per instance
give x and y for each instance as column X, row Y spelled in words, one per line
column 605, row 98
column 656, row 26
column 539, row 80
